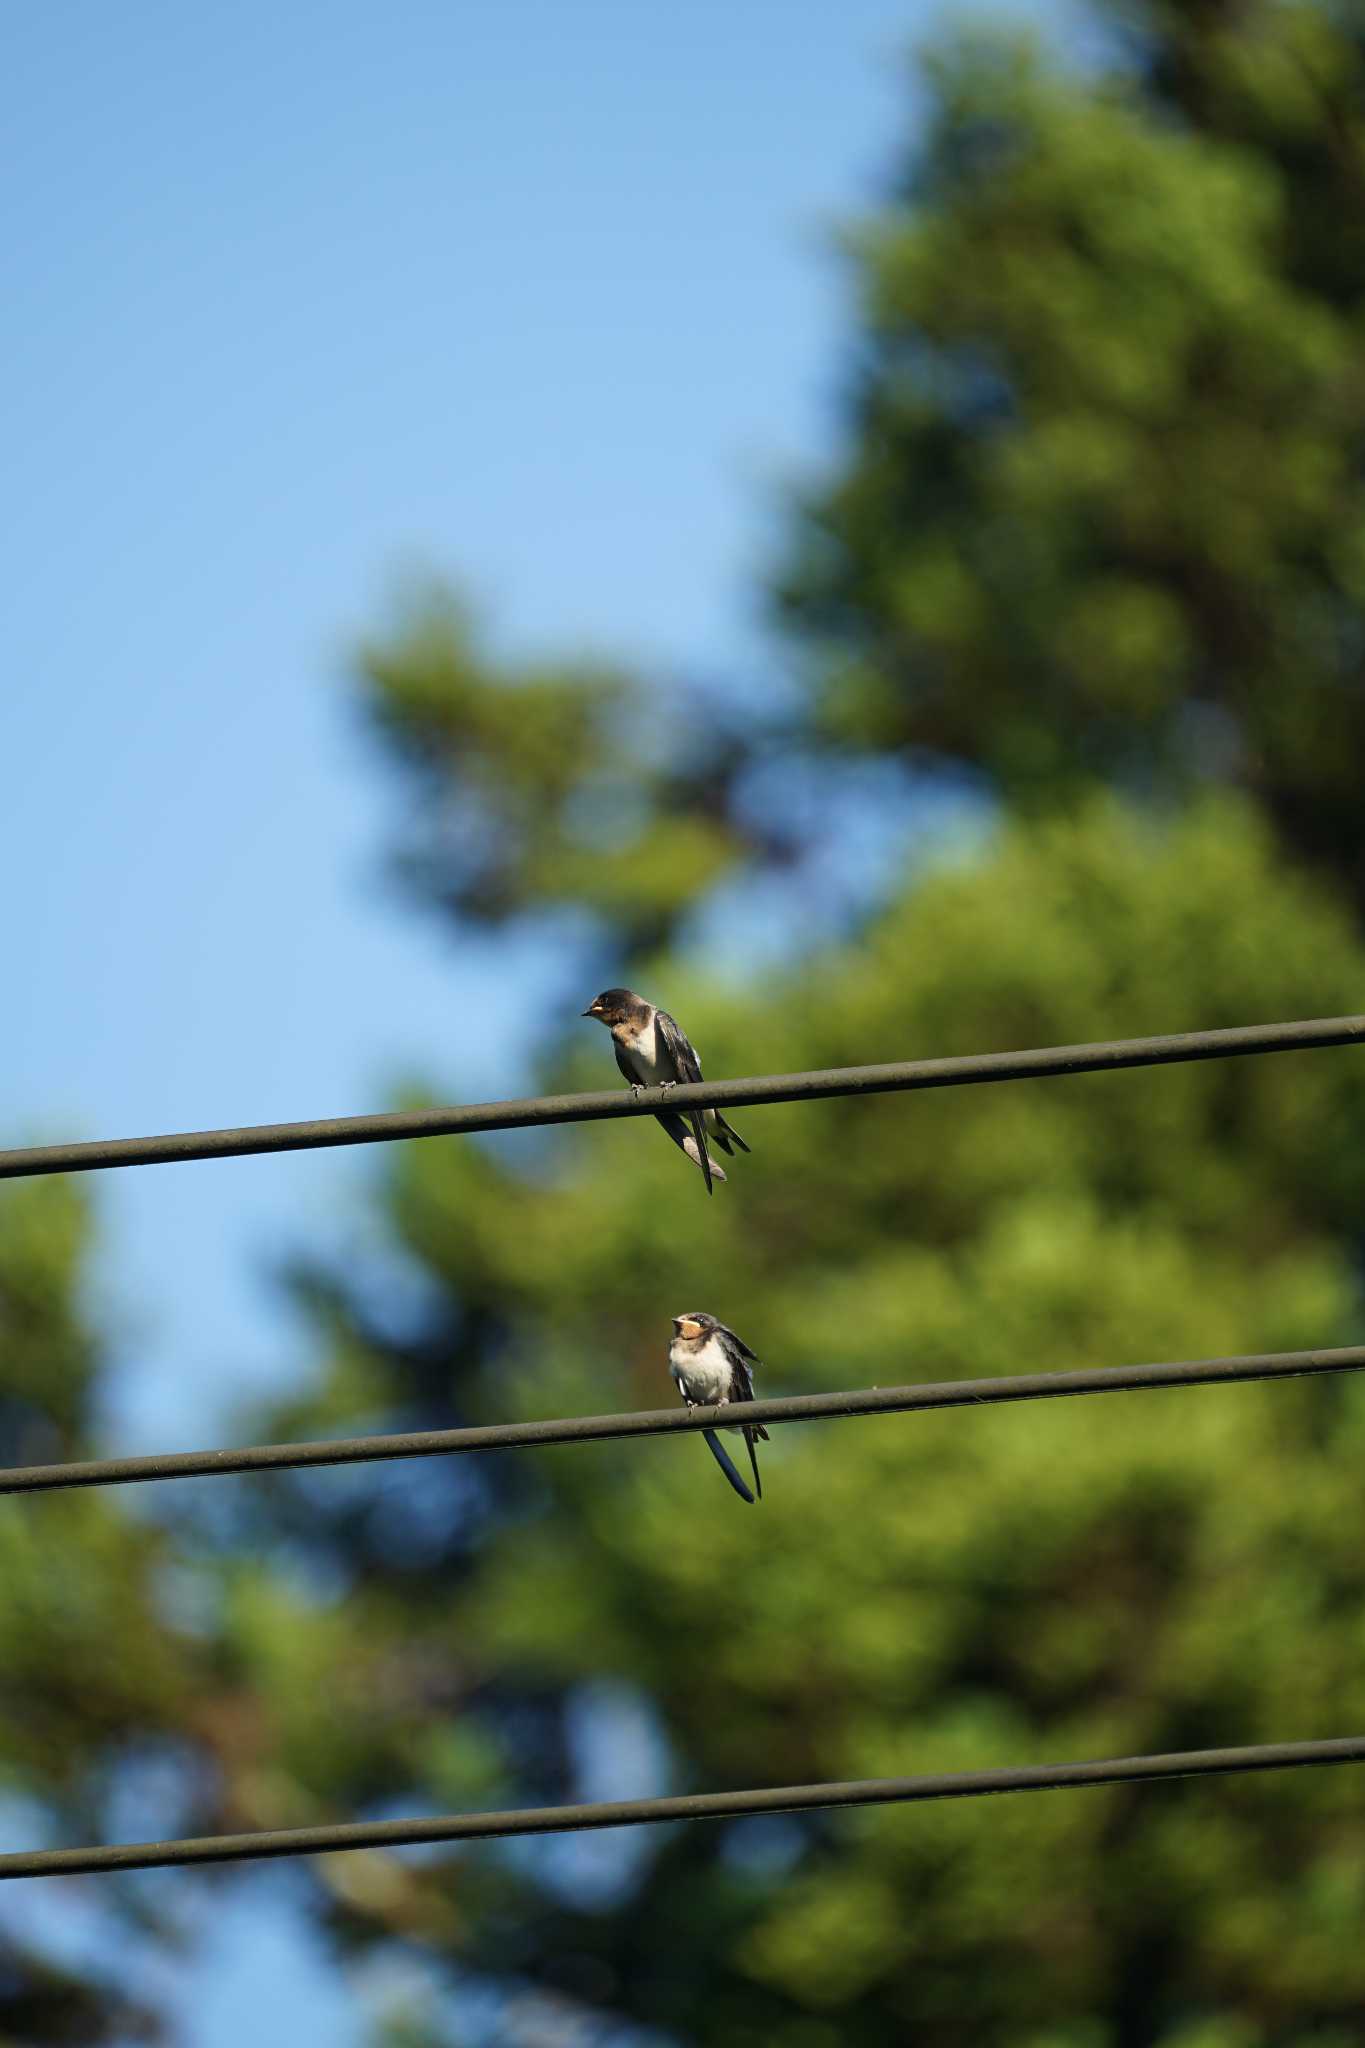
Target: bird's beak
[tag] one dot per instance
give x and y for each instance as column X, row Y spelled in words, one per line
column 591, row 1011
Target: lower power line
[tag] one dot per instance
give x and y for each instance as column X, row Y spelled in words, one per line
column 550, row 1820
column 502, row 1436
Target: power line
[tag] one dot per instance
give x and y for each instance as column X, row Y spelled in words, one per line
column 1103, row 1057
column 621, row 1813
column 502, row 1436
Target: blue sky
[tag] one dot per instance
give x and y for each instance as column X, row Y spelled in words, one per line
column 300, row 302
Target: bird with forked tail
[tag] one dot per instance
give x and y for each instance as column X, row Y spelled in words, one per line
column 713, row 1368
column 653, row 1051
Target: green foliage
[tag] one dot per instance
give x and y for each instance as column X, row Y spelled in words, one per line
column 48, row 1348
column 544, row 787
column 1101, row 509
column 84, row 1657
column 90, row 1673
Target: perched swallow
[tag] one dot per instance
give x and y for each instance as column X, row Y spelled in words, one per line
column 653, row 1051
column 712, row 1368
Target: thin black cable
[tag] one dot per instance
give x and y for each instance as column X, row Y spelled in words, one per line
column 625, row 1813
column 502, row 1436
column 1102, row 1057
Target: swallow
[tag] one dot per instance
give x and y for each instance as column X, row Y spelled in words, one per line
column 712, row 1368
column 653, row 1051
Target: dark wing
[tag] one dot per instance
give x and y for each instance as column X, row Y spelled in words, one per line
column 687, row 1067
column 737, row 1346
column 742, row 1389
column 679, row 1045
column 722, row 1458
column 684, row 1056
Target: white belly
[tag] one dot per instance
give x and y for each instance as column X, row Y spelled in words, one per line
column 648, row 1057
column 701, row 1374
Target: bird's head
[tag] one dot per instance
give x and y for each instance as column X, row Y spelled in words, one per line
column 693, row 1328
column 614, row 1006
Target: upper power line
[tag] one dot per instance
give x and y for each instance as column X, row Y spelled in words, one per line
column 1103, row 1057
